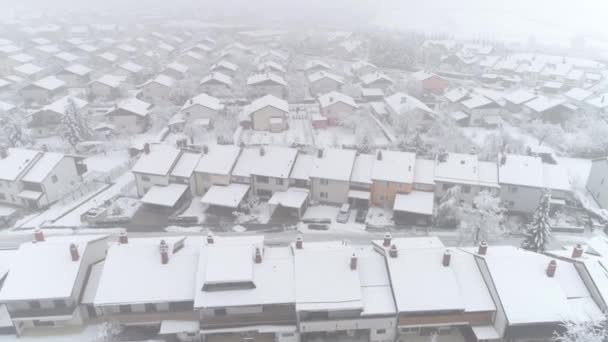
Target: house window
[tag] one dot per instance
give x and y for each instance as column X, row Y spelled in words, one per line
column 279, row 181
column 380, row 331
column 264, row 193
column 124, row 308
column 466, row 189
column 150, row 307
column 219, row 312
column 323, row 194
column 145, row 178
column 181, row 306
column 54, row 179
column 513, row 189
column 59, row 303
column 262, row 179
column 34, row 304
column 39, row 323
column 410, row 330
column 323, row 181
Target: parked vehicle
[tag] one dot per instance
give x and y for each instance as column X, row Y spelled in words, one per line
column 361, row 216
column 316, row 226
column 344, row 213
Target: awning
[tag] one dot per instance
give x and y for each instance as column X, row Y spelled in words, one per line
column 486, row 332
column 174, row 327
column 292, row 198
column 417, row 202
column 359, row 194
column 165, row 196
column 30, row 194
column 254, row 328
column 229, row 196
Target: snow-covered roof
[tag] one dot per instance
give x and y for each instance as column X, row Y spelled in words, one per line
column 108, row 56
column 17, row 161
column 164, row 195
column 186, row 164
column 163, row 80
column 159, row 161
column 66, row 56
column 302, row 167
column 319, row 75
column 50, row 49
column 219, row 159
column 49, row 83
column 48, row 264
column 229, row 196
column 458, row 286
column 394, row 166
column 205, row 101
column 60, row 106
column 218, row 77
column 43, row 167
column 126, row 48
column 21, row 58
column 28, row 69
column 402, row 104
column 600, row 101
column 423, row 75
column 456, row 94
column 362, row 169
column 267, row 101
column 374, row 77
column 520, row 96
column 271, row 65
column 269, row 282
column 335, row 164
column 424, row 171
column 135, row 106
column 521, row 170
column 134, row 274
column 361, row 64
column 460, row 168
column 131, row 67
column 543, row 103
column 111, row 80
column 418, row 202
column 224, row 64
column 528, row 295
column 264, row 78
column 270, row 161
column 333, row 97
column 476, row 101
column 78, row 69
column 88, row 48
column 316, row 64
column 556, row 177
column 165, row 47
column 578, row 94
column 181, row 68
column 291, row 198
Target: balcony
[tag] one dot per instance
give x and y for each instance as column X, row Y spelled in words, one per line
column 276, row 317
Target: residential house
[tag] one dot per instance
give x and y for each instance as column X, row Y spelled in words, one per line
column 267, row 113
column 46, row 121
column 482, row 111
column 132, row 71
column 330, row 175
column 29, row 71
column 131, row 116
column 430, row 82
column 271, row 67
column 202, row 108
column 43, row 90
column 175, row 70
column 225, row 67
column 516, row 100
column 75, row 75
column 553, row 110
column 216, row 84
column 360, row 184
column 191, row 58
column 322, row 82
column 597, row 184
column 215, row 167
column 377, row 80
column 266, row 84
column 336, row 106
column 158, row 89
column 361, row 68
column 392, row 174
column 315, row 66
column 107, row 87
column 401, row 106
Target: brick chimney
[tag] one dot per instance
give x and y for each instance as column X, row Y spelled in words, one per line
column 387, row 239
column 353, row 262
column 551, row 268
column 392, row 252
column 483, row 248
column 164, row 252
column 74, row 252
column 210, row 238
column 299, row 242
column 123, row 238
column 258, row 255
column 320, row 153
column 147, row 148
column 38, row 235
column 3, row 152
column 577, row 252
column 447, row 257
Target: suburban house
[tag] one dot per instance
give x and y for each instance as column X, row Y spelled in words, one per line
column 467, row 172
column 360, row 185
column 418, row 115
column 330, row 175
column 392, row 174
column 553, row 110
column 202, row 108
column 175, row 70
column 149, row 281
column 225, row 67
column 107, row 87
column 35, row 179
column 45, row 121
column 458, row 309
column 377, row 80
column 267, row 84
column 106, row 59
column 245, row 290
column 336, row 106
column 515, row 101
column 430, row 82
column 153, row 168
column 596, row 182
column 63, row 265
column 361, row 68
column 29, row 71
column 274, row 56
column 43, row 90
column 322, row 82
column 268, row 113
column 75, row 75
column 159, row 88
column 215, row 167
column 272, row 67
column 132, row 71
column 191, row 58
column 216, row 84
column 342, row 292
column 315, row 66
column 131, row 116
column 482, row 111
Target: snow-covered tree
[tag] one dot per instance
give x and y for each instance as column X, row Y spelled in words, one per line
column 13, row 133
column 586, row 331
column 538, row 233
column 449, row 211
column 74, row 126
column 482, row 220
column 108, row 332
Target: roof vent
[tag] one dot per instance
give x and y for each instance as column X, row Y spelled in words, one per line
column 392, row 252
column 74, row 252
column 258, row 255
column 123, row 238
column 210, row 238
column 353, row 262
column 577, row 252
column 483, row 248
column 551, row 268
column 447, row 256
column 387, row 239
column 164, row 252
column 38, row 235
column 299, row 242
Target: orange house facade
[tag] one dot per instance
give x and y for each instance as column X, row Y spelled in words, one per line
column 384, row 192
column 392, row 174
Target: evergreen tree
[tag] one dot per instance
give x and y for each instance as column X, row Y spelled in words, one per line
column 13, row 133
column 73, row 125
column 539, row 231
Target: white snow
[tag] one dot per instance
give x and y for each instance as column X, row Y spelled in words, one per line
column 165, row 196
column 229, row 196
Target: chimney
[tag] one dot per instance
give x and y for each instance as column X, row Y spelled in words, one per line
column 45, row 148
column 164, row 252
column 577, row 252
column 38, row 235
column 379, row 155
column 447, row 256
column 74, row 252
column 503, row 159
column 205, row 149
column 123, row 239
column 320, row 153
column 551, row 268
column 258, row 255
column 299, row 242
column 147, row 148
column 392, row 252
column 262, row 151
column 353, row 262
column 3, row 152
column 387, row 239
column 483, row 248
column 210, row 239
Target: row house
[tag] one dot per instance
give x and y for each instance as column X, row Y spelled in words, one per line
column 35, row 179
column 330, row 175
